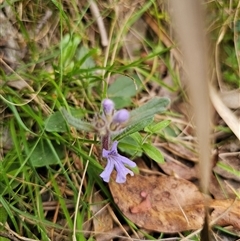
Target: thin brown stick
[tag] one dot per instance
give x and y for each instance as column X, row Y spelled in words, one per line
column 189, row 26
column 102, row 30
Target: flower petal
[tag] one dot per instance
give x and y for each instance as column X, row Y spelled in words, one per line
column 105, row 175
column 105, row 153
column 125, row 160
column 122, row 172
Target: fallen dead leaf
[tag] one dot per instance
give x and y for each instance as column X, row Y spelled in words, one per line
column 102, row 221
column 226, row 212
column 181, row 151
column 171, row 166
column 160, row 203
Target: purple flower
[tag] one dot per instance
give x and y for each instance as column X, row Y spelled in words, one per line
column 121, row 116
column 117, row 161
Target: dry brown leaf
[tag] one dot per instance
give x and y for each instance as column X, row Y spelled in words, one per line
column 159, row 203
column 222, row 189
column 172, row 166
column 102, row 220
column 181, row 151
column 226, row 212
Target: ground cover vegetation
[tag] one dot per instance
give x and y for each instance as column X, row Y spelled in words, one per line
column 96, row 138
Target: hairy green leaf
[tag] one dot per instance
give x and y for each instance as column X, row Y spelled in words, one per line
column 75, row 122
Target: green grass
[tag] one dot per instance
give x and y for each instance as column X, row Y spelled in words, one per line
column 67, row 67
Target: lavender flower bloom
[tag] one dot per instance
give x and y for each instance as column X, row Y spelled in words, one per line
column 118, row 161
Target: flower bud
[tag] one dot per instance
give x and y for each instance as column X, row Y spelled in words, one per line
column 108, row 107
column 121, row 116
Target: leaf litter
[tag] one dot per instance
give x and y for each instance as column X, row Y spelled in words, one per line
column 169, row 204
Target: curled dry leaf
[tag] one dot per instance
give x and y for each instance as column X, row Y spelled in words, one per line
column 226, row 212
column 160, row 203
column 171, row 166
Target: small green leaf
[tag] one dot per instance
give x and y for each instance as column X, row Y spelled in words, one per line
column 157, row 127
column 122, row 87
column 84, row 58
column 56, row 123
column 69, row 47
column 143, row 116
column 137, row 137
column 153, row 152
column 130, row 146
column 121, row 102
column 3, row 216
column 3, row 219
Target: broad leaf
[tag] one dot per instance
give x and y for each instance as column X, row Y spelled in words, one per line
column 46, row 153
column 130, row 146
column 56, row 123
column 122, row 87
